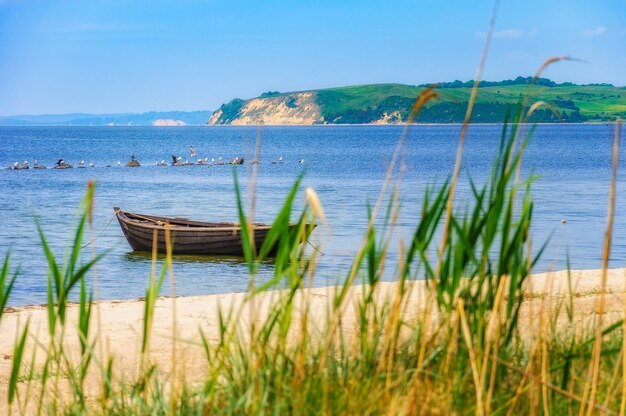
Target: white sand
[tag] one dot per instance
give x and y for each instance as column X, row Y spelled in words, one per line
column 121, row 322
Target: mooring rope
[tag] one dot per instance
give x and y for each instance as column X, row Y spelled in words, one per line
column 102, row 232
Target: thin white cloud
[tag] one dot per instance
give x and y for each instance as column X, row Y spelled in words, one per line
column 73, row 26
column 504, row 34
column 508, row 34
column 592, row 33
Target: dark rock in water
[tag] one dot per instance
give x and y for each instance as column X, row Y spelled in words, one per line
column 17, row 166
column 177, row 160
column 133, row 163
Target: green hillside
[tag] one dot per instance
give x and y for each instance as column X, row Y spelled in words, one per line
column 574, row 103
column 362, row 104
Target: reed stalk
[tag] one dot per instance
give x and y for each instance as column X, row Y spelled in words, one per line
column 608, row 234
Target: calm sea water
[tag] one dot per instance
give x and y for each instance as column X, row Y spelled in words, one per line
column 345, row 165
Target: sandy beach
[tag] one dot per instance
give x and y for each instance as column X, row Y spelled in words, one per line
column 121, row 322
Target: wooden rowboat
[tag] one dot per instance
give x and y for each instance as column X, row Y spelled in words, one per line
column 189, row 237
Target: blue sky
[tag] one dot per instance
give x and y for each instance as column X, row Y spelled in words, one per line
column 63, row 56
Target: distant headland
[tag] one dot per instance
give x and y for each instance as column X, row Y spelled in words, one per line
column 376, row 104
column 391, row 103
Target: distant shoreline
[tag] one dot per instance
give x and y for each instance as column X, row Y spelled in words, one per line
column 312, row 125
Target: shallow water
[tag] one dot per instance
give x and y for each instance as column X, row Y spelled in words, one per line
column 345, row 164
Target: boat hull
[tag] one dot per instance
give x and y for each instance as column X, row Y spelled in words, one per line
column 187, row 237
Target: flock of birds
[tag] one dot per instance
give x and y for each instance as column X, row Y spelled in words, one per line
column 176, row 161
